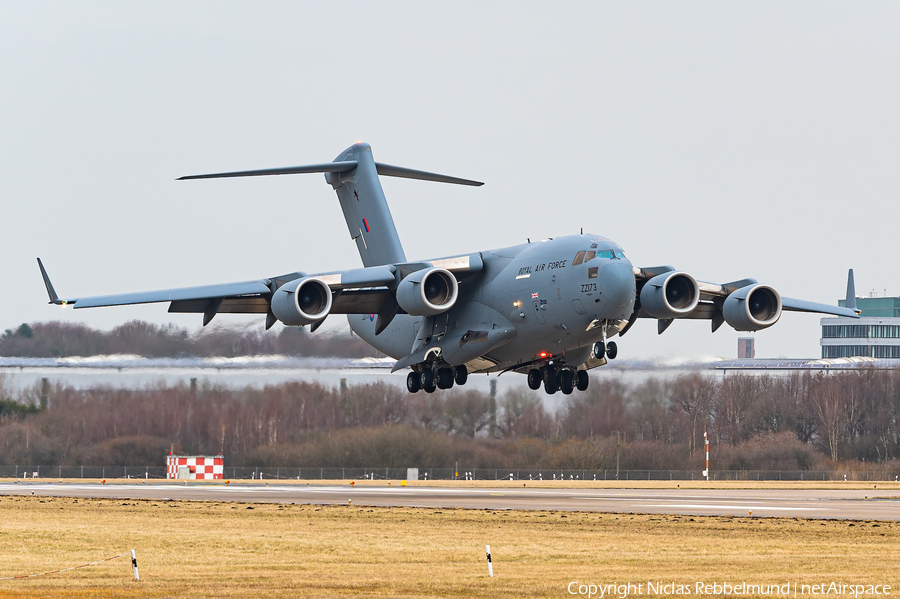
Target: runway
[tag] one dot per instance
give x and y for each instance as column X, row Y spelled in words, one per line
column 801, row 503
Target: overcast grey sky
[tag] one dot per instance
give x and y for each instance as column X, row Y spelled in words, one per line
column 730, row 139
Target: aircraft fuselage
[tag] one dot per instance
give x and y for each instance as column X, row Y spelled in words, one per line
column 548, row 292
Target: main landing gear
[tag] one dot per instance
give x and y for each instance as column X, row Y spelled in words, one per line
column 430, row 378
column 558, row 379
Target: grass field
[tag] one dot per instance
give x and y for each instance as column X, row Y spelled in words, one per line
column 212, row 549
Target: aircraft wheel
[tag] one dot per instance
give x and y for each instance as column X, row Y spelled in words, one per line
column 412, row 382
column 426, row 379
column 581, row 380
column 551, row 381
column 462, row 375
column 429, row 388
column 445, row 378
column 612, row 350
column 599, row 351
column 534, row 379
column 566, row 381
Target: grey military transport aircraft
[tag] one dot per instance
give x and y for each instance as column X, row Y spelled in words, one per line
column 545, row 309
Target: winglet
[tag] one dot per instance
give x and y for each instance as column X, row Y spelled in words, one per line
column 850, row 302
column 54, row 299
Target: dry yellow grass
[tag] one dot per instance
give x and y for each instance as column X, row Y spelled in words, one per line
column 212, row 549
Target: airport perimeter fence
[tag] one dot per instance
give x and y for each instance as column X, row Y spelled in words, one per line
column 483, row 474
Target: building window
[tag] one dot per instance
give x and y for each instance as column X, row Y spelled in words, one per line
column 852, row 351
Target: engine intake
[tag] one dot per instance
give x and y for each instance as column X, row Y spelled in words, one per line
column 302, row 301
column 752, row 308
column 427, row 292
column 670, row 295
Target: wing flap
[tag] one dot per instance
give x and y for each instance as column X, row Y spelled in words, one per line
column 236, row 305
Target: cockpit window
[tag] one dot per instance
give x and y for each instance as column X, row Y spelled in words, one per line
column 621, row 255
column 593, row 246
column 579, row 258
column 608, row 254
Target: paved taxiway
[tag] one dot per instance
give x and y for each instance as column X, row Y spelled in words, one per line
column 803, row 503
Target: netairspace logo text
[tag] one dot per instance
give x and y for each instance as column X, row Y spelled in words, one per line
column 787, row 589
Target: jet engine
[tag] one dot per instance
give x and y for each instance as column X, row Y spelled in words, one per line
column 302, row 301
column 670, row 295
column 427, row 292
column 752, row 308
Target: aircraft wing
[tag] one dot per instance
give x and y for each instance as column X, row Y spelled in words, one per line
column 354, row 291
column 204, row 292
column 711, row 299
column 795, row 305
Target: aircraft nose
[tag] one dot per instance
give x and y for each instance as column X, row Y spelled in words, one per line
column 617, row 283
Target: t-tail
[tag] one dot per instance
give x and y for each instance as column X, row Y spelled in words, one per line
column 354, row 177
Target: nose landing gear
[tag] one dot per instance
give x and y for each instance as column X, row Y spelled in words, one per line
column 609, row 350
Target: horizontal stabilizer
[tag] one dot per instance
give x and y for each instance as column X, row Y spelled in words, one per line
column 407, row 173
column 327, row 167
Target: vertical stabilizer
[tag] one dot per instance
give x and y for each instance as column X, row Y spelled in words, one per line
column 365, row 208
column 850, row 302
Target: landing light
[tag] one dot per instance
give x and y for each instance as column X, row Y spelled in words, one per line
column 543, row 354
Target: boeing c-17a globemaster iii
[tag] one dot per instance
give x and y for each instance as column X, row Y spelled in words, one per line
column 546, row 309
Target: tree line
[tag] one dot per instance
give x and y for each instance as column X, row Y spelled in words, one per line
column 66, row 339
column 800, row 421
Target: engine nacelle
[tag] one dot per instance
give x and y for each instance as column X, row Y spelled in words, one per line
column 752, row 308
column 302, row 301
column 427, row 292
column 670, row 295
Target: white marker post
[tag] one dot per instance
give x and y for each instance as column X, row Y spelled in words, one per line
column 490, row 565
column 134, row 565
column 706, row 442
